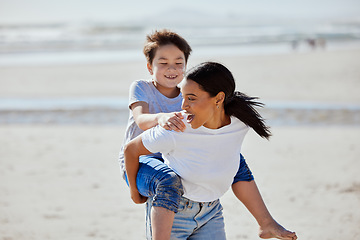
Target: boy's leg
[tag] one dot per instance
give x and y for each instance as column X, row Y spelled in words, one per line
column 154, row 217
column 158, row 182
column 162, row 221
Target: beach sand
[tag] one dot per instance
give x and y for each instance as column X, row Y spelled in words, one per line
column 63, row 181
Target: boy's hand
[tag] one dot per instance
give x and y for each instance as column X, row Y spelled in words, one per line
column 172, row 121
column 137, row 197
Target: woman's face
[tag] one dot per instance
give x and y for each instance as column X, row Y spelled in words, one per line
column 199, row 105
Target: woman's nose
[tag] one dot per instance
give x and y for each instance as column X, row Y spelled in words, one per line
column 184, row 105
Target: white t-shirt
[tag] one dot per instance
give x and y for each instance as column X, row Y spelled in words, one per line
column 206, row 159
column 145, row 91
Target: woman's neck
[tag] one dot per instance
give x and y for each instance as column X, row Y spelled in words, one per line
column 225, row 119
column 220, row 120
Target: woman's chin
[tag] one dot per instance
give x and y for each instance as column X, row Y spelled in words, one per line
column 194, row 126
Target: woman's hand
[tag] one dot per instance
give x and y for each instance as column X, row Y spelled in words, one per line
column 137, row 197
column 172, row 121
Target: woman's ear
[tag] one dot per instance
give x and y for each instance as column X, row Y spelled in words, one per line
column 220, row 97
column 149, row 67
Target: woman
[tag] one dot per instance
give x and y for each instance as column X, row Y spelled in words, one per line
column 205, row 155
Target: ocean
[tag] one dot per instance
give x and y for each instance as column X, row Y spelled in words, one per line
column 109, row 42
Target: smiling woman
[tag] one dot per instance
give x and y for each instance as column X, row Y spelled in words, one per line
column 218, row 118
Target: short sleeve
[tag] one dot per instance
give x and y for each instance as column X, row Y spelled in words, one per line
column 158, row 139
column 138, row 93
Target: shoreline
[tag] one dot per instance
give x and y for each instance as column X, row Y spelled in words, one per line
column 110, row 56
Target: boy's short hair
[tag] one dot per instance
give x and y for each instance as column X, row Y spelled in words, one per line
column 161, row 38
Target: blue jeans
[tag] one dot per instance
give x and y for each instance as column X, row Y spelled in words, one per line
column 198, row 221
column 193, row 221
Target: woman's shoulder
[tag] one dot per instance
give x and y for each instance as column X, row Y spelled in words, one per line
column 237, row 122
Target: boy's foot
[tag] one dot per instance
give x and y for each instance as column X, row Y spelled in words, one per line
column 275, row 230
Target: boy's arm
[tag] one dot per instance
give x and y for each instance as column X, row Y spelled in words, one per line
column 146, row 120
column 133, row 150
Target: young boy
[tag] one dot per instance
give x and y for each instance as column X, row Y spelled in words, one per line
column 157, row 102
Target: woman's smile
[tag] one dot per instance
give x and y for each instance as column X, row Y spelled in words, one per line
column 198, row 105
column 190, row 117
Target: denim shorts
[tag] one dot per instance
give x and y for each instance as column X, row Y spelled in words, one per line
column 244, row 173
column 194, row 221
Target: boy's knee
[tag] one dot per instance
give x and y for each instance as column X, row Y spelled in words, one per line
column 168, row 192
column 172, row 182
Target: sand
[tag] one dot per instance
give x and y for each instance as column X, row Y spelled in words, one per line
column 63, row 181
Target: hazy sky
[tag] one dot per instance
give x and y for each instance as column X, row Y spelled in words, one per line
column 33, row 11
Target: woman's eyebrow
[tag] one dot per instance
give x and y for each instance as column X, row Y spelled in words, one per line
column 190, row 94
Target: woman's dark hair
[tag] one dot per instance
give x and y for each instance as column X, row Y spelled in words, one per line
column 161, row 38
column 214, row 78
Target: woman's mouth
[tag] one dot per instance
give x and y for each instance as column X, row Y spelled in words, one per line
column 189, row 118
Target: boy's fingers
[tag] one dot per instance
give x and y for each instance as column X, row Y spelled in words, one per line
column 174, row 127
column 178, row 124
column 178, row 114
column 179, row 121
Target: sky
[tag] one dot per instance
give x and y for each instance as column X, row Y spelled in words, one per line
column 60, row 11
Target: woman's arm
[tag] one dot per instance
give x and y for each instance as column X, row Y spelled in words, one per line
column 133, row 150
column 146, row 120
column 249, row 194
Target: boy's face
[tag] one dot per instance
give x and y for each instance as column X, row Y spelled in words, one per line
column 168, row 66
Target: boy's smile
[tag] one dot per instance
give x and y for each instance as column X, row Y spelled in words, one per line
column 168, row 69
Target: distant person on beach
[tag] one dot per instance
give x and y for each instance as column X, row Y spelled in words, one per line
column 205, row 156
column 157, row 102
